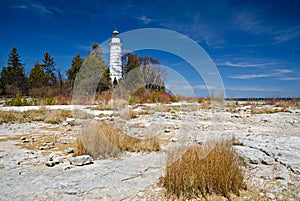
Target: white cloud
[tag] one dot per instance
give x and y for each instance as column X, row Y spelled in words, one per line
column 276, row 73
column 145, row 20
column 250, row 22
column 37, row 8
column 198, row 30
column 287, row 34
column 283, row 71
column 244, row 64
column 252, row 76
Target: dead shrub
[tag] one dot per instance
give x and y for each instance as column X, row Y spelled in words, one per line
column 190, row 176
column 102, row 140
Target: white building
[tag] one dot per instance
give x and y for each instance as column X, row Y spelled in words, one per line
column 115, row 60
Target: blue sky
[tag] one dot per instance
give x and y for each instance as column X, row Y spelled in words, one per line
column 255, row 44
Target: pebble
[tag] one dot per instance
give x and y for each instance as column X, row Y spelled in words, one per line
column 270, row 195
column 70, row 150
column 140, row 194
column 173, row 139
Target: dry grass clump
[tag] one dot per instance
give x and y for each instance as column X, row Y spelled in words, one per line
column 128, row 113
column 102, row 140
column 190, row 176
column 267, row 110
column 10, row 116
column 56, row 116
column 129, row 143
column 98, row 140
column 48, row 116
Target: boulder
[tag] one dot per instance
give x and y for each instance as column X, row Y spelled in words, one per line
column 81, row 160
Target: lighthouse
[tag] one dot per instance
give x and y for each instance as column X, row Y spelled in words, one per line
column 115, row 60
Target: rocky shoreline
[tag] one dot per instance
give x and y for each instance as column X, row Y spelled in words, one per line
column 37, row 162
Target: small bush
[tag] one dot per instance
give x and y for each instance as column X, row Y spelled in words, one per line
column 17, row 101
column 49, row 101
column 190, row 176
column 202, row 100
column 102, row 140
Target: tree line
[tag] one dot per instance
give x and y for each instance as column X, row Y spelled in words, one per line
column 46, row 79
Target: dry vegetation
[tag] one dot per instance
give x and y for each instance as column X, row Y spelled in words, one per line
column 102, row 140
column 267, row 110
column 128, row 114
column 48, row 116
column 219, row 172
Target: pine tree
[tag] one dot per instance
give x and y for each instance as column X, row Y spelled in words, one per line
column 13, row 78
column 49, row 68
column 93, row 70
column 77, row 62
column 130, row 61
column 37, row 77
column 115, row 82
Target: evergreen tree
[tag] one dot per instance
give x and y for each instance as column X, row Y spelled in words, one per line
column 77, row 62
column 48, row 63
column 49, row 68
column 130, row 62
column 105, row 81
column 115, row 82
column 93, row 70
column 13, row 78
column 37, row 77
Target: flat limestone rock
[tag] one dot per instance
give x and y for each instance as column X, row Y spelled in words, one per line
column 254, row 156
column 81, row 160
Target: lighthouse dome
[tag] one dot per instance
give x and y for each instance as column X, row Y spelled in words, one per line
column 115, row 32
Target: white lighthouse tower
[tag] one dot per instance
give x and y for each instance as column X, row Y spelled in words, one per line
column 115, row 61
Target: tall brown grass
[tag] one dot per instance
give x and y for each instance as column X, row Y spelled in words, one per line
column 191, row 176
column 10, row 117
column 102, row 140
column 48, row 116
